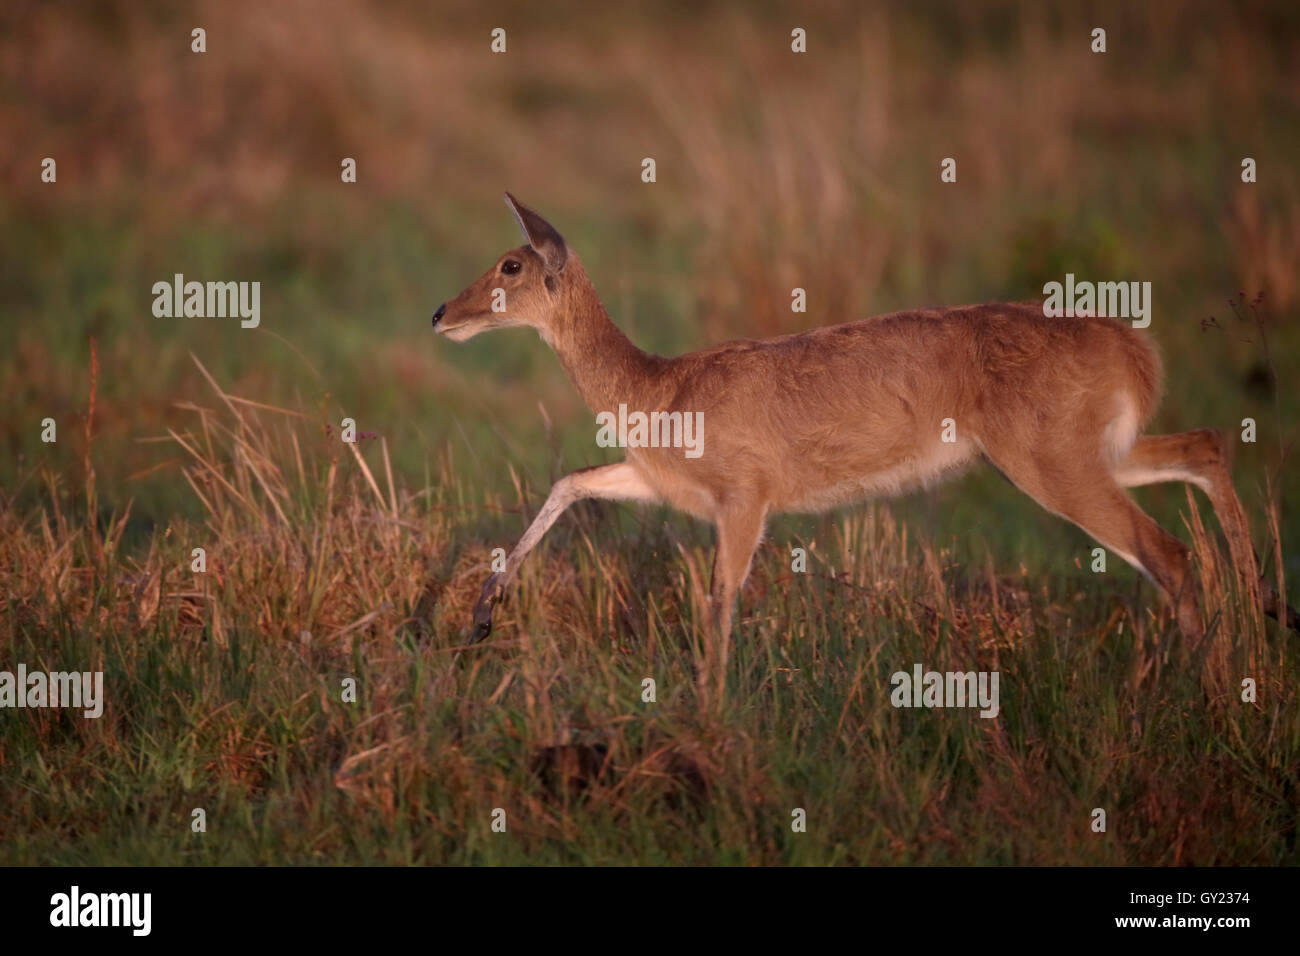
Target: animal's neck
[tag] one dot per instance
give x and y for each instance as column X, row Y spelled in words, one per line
column 600, row 360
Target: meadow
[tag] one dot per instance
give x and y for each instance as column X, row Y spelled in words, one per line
column 327, row 562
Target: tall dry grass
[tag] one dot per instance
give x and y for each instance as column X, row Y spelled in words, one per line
column 322, row 566
column 327, row 561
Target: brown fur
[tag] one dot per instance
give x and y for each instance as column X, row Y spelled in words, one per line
column 834, row 415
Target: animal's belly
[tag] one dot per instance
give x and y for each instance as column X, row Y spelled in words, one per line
column 813, row 490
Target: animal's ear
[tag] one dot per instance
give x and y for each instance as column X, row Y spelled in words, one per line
column 541, row 235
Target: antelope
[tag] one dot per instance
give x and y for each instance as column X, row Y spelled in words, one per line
column 834, row 415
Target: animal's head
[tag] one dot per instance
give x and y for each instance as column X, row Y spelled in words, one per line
column 524, row 287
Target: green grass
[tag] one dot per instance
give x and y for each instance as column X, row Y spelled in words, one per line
column 215, row 700
column 1121, row 167
column 1102, row 704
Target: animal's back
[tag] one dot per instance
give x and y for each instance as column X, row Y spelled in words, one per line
column 842, row 412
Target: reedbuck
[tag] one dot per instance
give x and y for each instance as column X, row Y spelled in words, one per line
column 805, row 422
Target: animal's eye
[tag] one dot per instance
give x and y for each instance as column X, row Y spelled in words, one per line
column 510, row 266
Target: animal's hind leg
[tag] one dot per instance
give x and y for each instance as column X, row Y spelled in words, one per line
column 1115, row 520
column 1087, row 494
column 1196, row 456
column 1199, row 457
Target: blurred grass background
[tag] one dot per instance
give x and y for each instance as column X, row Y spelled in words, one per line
column 774, row 170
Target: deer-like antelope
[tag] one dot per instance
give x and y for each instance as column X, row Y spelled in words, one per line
column 805, row 422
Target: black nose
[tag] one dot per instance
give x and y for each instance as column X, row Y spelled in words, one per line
column 438, row 315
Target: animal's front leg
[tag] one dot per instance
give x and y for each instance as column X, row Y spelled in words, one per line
column 740, row 527
column 620, row 482
column 488, row 598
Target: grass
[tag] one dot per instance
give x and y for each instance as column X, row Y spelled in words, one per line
column 225, row 687
column 227, row 690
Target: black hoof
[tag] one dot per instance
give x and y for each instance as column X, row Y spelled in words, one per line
column 481, row 627
column 488, row 598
